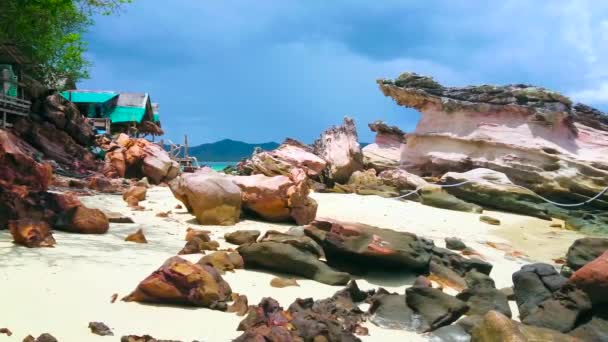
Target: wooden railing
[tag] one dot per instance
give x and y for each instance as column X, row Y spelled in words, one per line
column 13, row 106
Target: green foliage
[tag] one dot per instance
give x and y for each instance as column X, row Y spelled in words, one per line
column 50, row 33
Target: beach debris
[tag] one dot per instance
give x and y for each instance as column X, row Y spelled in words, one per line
column 370, row 247
column 137, row 237
column 454, row 243
column 31, row 233
column 339, row 146
column 282, row 160
column 489, row 220
column 83, row 220
column 482, row 296
column 286, row 258
column 6, row 331
column 435, row 307
column 99, row 328
column 113, row 298
column 239, row 304
column 179, row 206
column 223, row 261
column 46, row 337
column 283, row 282
column 241, row 237
column 181, row 282
column 214, row 199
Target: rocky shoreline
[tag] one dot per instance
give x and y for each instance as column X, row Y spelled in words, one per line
column 476, row 150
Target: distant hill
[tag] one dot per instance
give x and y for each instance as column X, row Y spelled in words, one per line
column 227, row 150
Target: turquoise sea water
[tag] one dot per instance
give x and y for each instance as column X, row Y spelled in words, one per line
column 218, row 166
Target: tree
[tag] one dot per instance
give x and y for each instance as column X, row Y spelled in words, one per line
column 50, row 33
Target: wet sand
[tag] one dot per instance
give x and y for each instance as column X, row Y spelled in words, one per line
column 60, row 290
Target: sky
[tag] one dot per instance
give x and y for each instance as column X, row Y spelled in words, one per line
column 265, row 70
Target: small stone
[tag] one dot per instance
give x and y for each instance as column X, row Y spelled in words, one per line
column 489, row 220
column 114, row 217
column 241, row 237
column 239, row 304
column 454, row 243
column 99, row 328
column 283, row 282
column 163, row 214
column 179, row 206
column 137, row 237
column 113, row 298
column 6, row 331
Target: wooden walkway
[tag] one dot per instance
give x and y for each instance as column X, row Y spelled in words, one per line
column 13, row 106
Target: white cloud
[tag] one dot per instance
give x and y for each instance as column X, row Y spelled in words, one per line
column 597, row 94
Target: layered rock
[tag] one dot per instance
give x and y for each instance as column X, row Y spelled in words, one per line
column 291, row 154
column 385, row 152
column 534, row 136
column 138, row 158
column 339, row 146
column 357, row 244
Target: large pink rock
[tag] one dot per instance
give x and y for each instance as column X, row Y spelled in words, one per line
column 339, row 146
column 291, row 154
column 278, row 198
column 385, row 152
column 533, row 135
column 212, row 197
column 593, row 279
column 157, row 165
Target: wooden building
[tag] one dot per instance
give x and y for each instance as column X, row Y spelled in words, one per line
column 118, row 112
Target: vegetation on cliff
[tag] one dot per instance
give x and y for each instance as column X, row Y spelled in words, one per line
column 50, row 32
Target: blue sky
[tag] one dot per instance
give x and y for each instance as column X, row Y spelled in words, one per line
column 268, row 69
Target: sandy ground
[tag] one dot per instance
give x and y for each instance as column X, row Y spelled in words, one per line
column 60, row 290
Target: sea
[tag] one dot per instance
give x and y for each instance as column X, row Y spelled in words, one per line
column 218, row 166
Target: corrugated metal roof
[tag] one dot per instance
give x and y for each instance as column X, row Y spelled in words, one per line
column 88, row 96
column 126, row 114
column 132, row 100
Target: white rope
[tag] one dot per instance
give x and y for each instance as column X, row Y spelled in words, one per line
column 519, row 186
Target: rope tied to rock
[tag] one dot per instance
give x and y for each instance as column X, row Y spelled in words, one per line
column 598, row 195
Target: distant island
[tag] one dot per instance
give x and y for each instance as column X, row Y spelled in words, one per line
column 227, row 150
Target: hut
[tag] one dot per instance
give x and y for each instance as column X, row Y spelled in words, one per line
column 13, row 100
column 118, row 112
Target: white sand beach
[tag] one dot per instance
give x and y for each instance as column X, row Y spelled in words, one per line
column 60, row 290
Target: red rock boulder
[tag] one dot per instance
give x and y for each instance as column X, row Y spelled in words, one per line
column 593, row 279
column 30, row 233
column 181, row 282
column 83, row 220
column 291, row 154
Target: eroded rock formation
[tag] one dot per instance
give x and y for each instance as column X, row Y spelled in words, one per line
column 339, row 146
column 385, row 152
column 536, row 137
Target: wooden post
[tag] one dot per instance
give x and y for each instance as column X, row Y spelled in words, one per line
column 185, row 145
